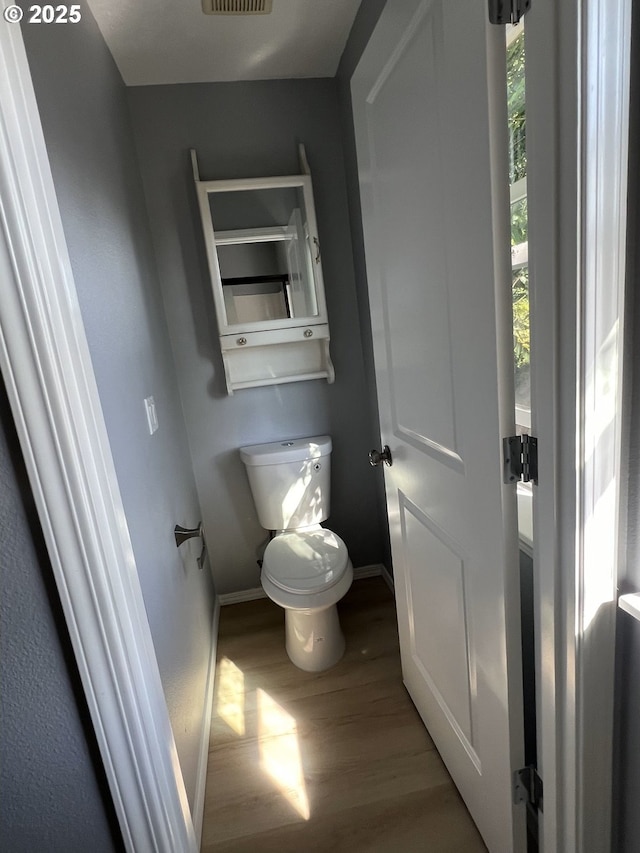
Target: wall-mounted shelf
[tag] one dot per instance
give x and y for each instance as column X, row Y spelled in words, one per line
column 266, row 274
column 277, row 356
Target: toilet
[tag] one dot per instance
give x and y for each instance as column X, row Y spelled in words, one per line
column 306, row 568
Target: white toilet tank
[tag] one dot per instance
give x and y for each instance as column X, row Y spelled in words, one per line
column 290, row 481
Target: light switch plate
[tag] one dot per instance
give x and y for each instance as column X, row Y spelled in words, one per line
column 152, row 416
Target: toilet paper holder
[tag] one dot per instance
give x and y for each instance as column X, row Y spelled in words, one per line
column 182, row 534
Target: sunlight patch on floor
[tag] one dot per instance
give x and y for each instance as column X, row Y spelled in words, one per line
column 280, row 756
column 230, row 699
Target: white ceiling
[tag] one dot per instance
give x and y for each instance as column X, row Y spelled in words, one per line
column 172, row 41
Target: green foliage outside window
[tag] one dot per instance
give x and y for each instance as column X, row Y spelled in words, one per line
column 516, row 110
column 520, row 289
column 519, row 222
column 521, row 331
column 518, row 171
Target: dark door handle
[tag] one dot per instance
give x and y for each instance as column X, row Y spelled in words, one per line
column 377, row 457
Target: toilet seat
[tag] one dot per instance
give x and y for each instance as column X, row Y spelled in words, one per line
column 305, row 561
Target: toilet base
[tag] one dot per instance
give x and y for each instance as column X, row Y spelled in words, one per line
column 314, row 639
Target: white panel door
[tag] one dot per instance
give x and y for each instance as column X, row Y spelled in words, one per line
column 430, row 117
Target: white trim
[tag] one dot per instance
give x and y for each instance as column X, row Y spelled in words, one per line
column 525, row 517
column 551, row 140
column 577, row 125
column 203, row 760
column 525, row 547
column 371, row 571
column 241, row 595
column 374, row 570
column 229, row 185
column 388, row 578
column 274, row 234
column 513, row 31
column 523, row 417
column 630, row 603
column 518, row 191
column 51, row 386
column 605, row 35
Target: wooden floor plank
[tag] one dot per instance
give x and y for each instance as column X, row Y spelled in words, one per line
column 335, row 761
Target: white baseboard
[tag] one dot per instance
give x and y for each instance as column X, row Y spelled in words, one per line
column 241, row 595
column 374, row 570
column 388, row 578
column 203, row 760
column 371, row 571
column 526, row 547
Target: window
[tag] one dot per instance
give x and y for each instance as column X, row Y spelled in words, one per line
column 519, row 237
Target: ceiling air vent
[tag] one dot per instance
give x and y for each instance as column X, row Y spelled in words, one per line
column 236, row 7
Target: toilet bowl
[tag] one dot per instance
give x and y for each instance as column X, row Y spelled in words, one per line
column 307, row 572
column 306, row 568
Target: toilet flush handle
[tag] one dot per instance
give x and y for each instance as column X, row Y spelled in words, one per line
column 377, row 457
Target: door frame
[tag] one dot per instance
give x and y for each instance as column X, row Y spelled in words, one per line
column 577, row 137
column 46, row 365
column 47, row 369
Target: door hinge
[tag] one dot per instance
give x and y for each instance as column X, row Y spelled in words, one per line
column 527, row 787
column 520, row 455
column 507, row 11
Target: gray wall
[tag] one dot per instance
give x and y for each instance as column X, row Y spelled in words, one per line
column 244, row 130
column 54, row 795
column 626, row 794
column 361, row 31
column 83, row 107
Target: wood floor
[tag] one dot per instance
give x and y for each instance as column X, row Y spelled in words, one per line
column 335, row 761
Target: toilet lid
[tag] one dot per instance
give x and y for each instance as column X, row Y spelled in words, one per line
column 305, row 561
